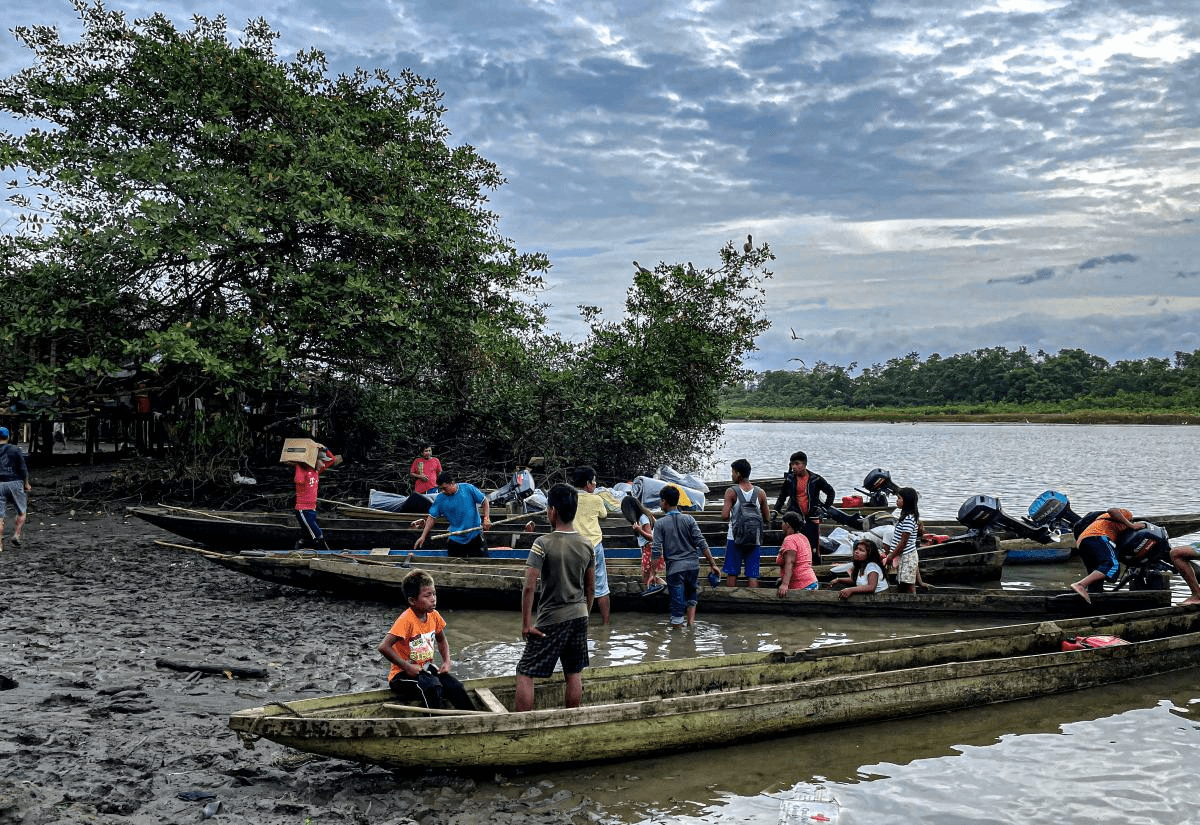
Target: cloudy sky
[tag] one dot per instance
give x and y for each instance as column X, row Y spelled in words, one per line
column 933, row 175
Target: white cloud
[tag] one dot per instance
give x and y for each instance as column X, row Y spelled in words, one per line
column 928, row 173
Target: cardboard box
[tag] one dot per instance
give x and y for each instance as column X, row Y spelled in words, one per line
column 300, row 449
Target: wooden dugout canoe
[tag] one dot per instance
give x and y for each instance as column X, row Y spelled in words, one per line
column 637, row 710
column 462, row 584
column 279, row 530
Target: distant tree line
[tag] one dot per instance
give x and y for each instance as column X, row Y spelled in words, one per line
column 993, row 375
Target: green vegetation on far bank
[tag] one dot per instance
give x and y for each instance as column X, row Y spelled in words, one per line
column 994, row 384
column 980, row 414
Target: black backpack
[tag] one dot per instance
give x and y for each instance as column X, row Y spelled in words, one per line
column 746, row 518
column 1085, row 521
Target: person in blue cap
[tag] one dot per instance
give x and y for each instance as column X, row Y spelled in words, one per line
column 14, row 485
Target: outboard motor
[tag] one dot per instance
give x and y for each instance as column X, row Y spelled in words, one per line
column 1146, row 553
column 830, row 513
column 876, row 486
column 1053, row 510
column 982, row 514
column 519, row 488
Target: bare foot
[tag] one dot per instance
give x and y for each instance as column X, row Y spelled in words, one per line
column 1082, row 591
column 1191, row 600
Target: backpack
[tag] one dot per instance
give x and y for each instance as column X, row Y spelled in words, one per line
column 1086, row 520
column 746, row 518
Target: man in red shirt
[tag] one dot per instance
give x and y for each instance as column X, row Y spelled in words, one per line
column 424, row 471
column 307, row 478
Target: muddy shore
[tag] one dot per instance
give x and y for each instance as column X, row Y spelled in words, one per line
column 95, row 731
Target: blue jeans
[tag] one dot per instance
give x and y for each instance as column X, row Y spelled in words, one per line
column 684, row 589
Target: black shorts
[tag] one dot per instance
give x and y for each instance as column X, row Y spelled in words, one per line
column 566, row 641
column 472, row 548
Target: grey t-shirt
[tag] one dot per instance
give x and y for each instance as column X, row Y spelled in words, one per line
column 562, row 561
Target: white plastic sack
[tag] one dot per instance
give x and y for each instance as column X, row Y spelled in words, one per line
column 686, row 480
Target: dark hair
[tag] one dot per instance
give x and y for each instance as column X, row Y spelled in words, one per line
column 792, row 519
column 741, row 467
column 414, row 583
column 446, row 478
column 580, row 476
column 669, row 494
column 799, row 455
column 564, row 500
column 632, row 508
column 873, row 555
column 910, row 497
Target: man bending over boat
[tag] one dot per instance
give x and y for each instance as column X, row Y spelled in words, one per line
column 678, row 539
column 458, row 503
column 564, row 563
column 409, row 646
column 1098, row 548
column 1182, row 557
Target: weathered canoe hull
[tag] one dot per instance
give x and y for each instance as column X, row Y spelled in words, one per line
column 475, row 587
column 639, row 710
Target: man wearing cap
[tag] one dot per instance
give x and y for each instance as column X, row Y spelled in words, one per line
column 14, row 485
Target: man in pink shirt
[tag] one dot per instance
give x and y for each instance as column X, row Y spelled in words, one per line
column 307, row 478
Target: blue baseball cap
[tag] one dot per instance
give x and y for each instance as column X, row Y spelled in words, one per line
column 4, row 432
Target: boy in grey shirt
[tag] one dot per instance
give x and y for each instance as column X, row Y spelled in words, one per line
column 678, row 539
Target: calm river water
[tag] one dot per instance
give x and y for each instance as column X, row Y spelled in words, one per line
column 1124, row 754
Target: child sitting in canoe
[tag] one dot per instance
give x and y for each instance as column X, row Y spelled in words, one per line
column 866, row 574
column 409, row 646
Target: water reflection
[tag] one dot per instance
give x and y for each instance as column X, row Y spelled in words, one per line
column 1063, row 759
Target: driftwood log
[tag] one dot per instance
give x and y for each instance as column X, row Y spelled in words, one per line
column 203, row 667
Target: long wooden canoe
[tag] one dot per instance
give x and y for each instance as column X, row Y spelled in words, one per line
column 631, row 711
column 279, row 530
column 464, row 585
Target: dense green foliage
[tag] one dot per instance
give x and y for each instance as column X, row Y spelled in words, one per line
column 233, row 236
column 984, row 381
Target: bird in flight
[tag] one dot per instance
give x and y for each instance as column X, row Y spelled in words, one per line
column 795, row 337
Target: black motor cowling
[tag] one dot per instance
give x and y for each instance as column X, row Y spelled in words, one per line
column 1149, row 545
column 982, row 514
column 1146, row 554
column 876, row 486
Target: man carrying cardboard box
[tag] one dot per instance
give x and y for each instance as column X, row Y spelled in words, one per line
column 307, row 479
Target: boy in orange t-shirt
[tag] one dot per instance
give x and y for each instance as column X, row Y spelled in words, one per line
column 409, row 646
